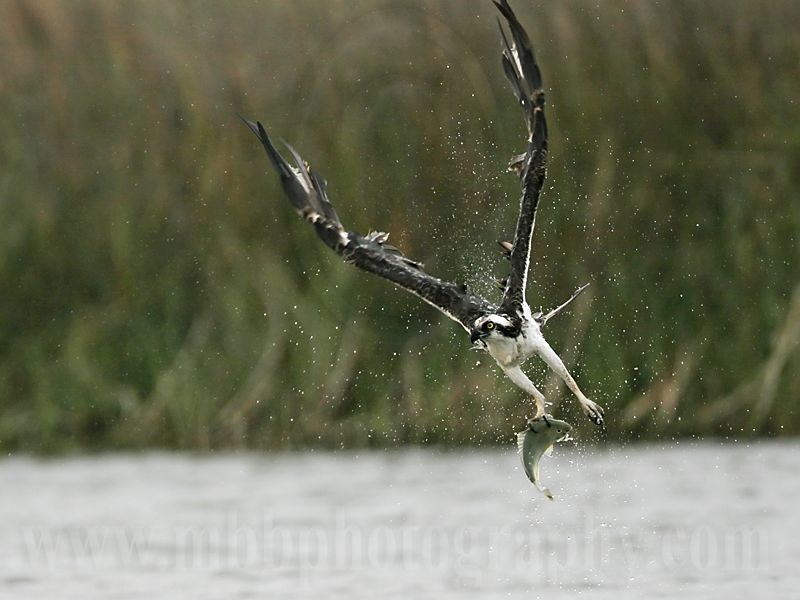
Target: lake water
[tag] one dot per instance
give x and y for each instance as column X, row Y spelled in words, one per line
column 706, row 520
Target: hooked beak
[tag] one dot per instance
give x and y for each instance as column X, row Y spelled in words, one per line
column 476, row 336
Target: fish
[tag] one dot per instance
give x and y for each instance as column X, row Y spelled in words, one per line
column 536, row 440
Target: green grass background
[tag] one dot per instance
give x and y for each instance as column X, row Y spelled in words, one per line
column 157, row 290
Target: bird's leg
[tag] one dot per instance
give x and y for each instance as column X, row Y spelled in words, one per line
column 521, row 380
column 544, row 319
column 592, row 409
column 538, row 407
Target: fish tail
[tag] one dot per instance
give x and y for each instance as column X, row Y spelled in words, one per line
column 544, row 490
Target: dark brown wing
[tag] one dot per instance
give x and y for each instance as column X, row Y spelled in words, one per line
column 519, row 65
column 306, row 191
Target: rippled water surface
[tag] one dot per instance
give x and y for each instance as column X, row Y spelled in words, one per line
column 692, row 521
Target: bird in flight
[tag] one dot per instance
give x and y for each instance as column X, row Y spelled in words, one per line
column 508, row 331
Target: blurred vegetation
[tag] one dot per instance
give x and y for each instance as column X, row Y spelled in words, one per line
column 157, row 290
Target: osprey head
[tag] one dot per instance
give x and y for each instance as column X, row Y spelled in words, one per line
column 489, row 327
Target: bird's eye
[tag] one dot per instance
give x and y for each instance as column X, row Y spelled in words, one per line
column 489, row 326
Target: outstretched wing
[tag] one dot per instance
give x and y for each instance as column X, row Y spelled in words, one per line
column 306, row 191
column 519, row 65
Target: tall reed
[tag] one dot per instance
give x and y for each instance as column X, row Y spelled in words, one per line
column 157, row 290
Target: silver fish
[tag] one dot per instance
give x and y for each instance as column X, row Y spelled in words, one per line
column 538, row 439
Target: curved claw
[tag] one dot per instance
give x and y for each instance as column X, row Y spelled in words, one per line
column 595, row 412
column 539, row 418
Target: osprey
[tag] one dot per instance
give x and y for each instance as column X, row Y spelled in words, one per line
column 508, row 331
